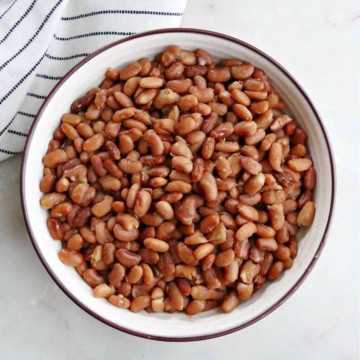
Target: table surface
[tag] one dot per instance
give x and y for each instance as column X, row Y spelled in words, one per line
column 317, row 41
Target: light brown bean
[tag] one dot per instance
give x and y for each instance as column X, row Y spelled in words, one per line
column 306, row 214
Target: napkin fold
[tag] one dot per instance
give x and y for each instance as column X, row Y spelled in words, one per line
column 40, row 40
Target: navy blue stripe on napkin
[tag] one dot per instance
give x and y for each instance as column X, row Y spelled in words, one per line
column 26, row 114
column 36, row 96
column 51, row 57
column 17, row 133
column 48, row 77
column 134, row 12
column 10, row 152
column 81, row 36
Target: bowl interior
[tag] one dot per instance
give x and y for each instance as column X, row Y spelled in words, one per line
column 89, row 75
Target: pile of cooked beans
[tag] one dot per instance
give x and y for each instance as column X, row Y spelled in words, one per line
column 178, row 184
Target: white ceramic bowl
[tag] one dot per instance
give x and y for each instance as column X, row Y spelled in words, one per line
column 175, row 327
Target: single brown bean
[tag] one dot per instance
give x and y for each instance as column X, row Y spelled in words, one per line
column 209, row 223
column 253, row 167
column 203, row 250
column 94, row 143
column 130, row 71
column 277, row 218
column 267, row 244
column 103, row 291
column 149, row 256
column 310, row 179
column 148, row 275
column 127, row 258
column 47, row 183
column 224, row 258
column 178, row 186
column 242, row 72
column 130, row 167
column 48, row 201
column 125, row 289
column 142, row 203
column 195, row 306
column 134, row 274
column 187, row 102
column 230, row 302
column 92, row 277
column 259, row 107
column 70, row 258
column 175, row 297
column 179, row 86
column 209, row 187
column 155, row 143
column 75, row 242
column 248, row 212
column 254, row 184
column 186, row 254
column 194, row 237
column 300, row 164
column 61, row 209
column 219, row 75
column 208, row 262
column 55, row 229
column 306, row 214
column 245, row 231
column 275, row 270
column 125, row 235
column 71, row 119
column 102, row 207
column 140, row 303
column 240, row 97
column 55, row 158
column 182, row 163
column 181, row 149
column 119, row 301
column 165, row 210
column 208, row 148
column 231, row 273
column 156, row 245
column 151, row 82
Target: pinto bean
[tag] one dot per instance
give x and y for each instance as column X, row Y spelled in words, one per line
column 209, row 187
column 306, row 214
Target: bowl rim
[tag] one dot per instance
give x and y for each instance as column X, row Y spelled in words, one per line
column 52, row 273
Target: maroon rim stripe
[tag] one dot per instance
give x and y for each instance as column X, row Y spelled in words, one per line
column 59, row 283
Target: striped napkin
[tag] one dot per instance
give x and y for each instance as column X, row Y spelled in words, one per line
column 40, row 40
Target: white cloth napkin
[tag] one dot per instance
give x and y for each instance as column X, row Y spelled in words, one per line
column 40, row 40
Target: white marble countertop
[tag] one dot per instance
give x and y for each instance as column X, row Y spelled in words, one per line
column 318, row 42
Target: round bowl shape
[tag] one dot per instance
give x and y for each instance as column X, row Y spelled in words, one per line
column 174, row 327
